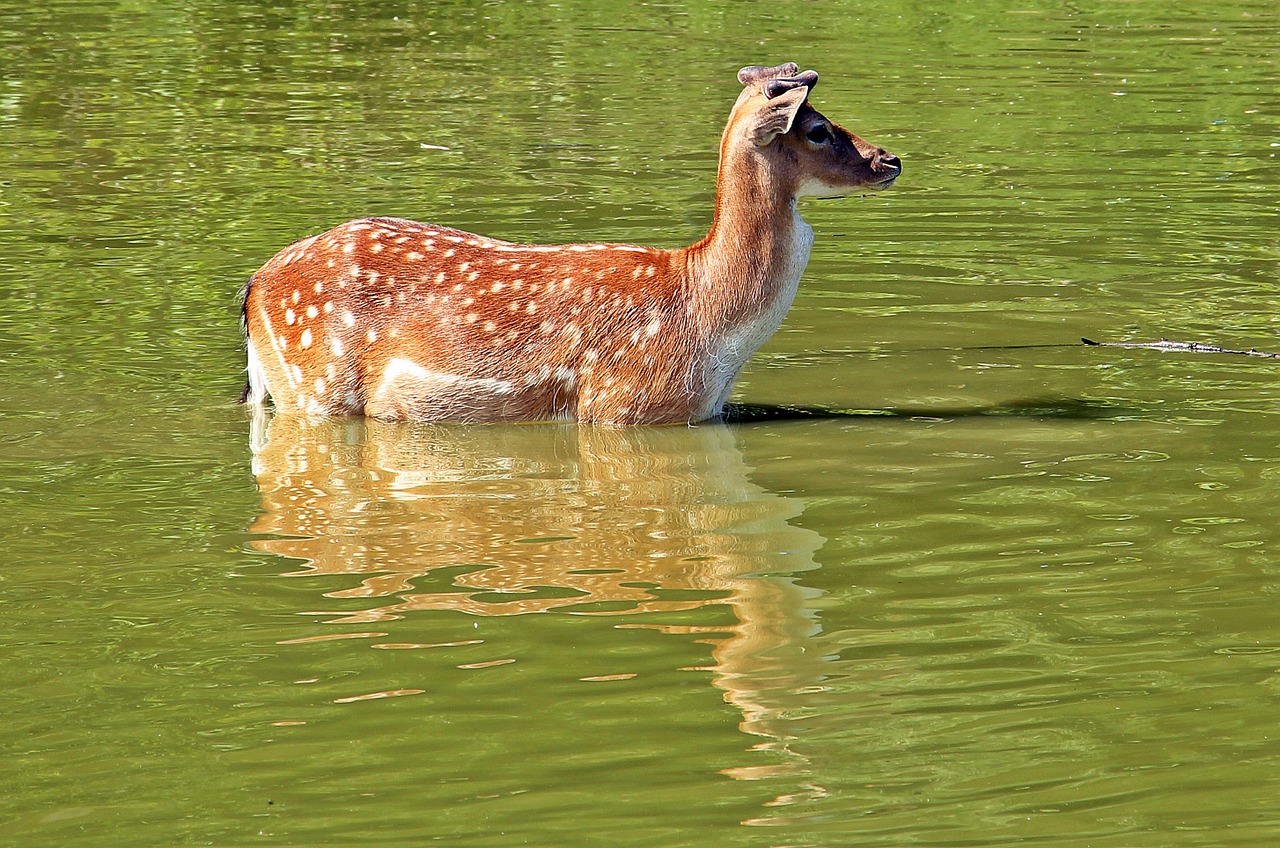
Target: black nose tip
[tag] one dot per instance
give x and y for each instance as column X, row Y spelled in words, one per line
column 889, row 160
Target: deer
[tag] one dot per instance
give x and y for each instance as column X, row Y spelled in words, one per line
column 395, row 319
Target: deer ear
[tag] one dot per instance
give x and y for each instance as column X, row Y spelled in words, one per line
column 776, row 116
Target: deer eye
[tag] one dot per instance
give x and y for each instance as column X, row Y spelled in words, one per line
column 819, row 134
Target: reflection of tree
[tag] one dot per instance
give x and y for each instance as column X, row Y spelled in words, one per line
column 506, row 520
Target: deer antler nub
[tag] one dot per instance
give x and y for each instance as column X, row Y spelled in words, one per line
column 757, row 73
column 779, row 79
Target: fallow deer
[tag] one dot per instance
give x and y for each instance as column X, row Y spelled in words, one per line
column 396, row 319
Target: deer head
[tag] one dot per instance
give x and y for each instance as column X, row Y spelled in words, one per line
column 774, row 115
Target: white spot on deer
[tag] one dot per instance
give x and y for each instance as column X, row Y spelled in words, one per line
column 328, row 307
column 320, row 387
column 305, row 340
column 312, row 312
column 335, row 345
column 635, row 272
column 349, row 318
column 319, row 287
column 282, row 342
column 489, row 326
column 497, row 287
column 296, row 373
column 371, row 336
column 463, row 266
column 449, row 253
column 349, row 247
column 454, row 239
column 440, row 278
column 376, row 247
column 297, row 295
column 650, row 271
column 290, row 317
column 531, row 308
column 471, row 278
column 331, row 371
column 653, row 327
column 472, row 317
column 630, row 248
column 413, row 256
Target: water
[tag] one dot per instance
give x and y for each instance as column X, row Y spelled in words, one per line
column 1024, row 593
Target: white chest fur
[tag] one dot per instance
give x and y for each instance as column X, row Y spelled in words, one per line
column 728, row 354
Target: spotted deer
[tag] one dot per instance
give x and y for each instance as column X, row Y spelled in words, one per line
column 396, row 319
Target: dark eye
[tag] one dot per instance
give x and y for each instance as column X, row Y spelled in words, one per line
column 819, row 134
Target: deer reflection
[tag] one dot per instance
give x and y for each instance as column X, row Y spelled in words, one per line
column 535, row 518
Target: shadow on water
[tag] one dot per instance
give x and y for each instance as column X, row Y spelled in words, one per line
column 1067, row 409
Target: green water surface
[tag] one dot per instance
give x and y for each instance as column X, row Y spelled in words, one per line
column 1024, row 594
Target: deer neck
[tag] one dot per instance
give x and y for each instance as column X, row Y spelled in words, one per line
column 748, row 267
column 743, row 276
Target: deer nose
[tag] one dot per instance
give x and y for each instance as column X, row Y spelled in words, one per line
column 887, row 161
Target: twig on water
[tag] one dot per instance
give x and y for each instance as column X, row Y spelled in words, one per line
column 1188, row 347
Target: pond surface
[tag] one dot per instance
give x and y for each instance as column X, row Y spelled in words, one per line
column 1023, row 593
